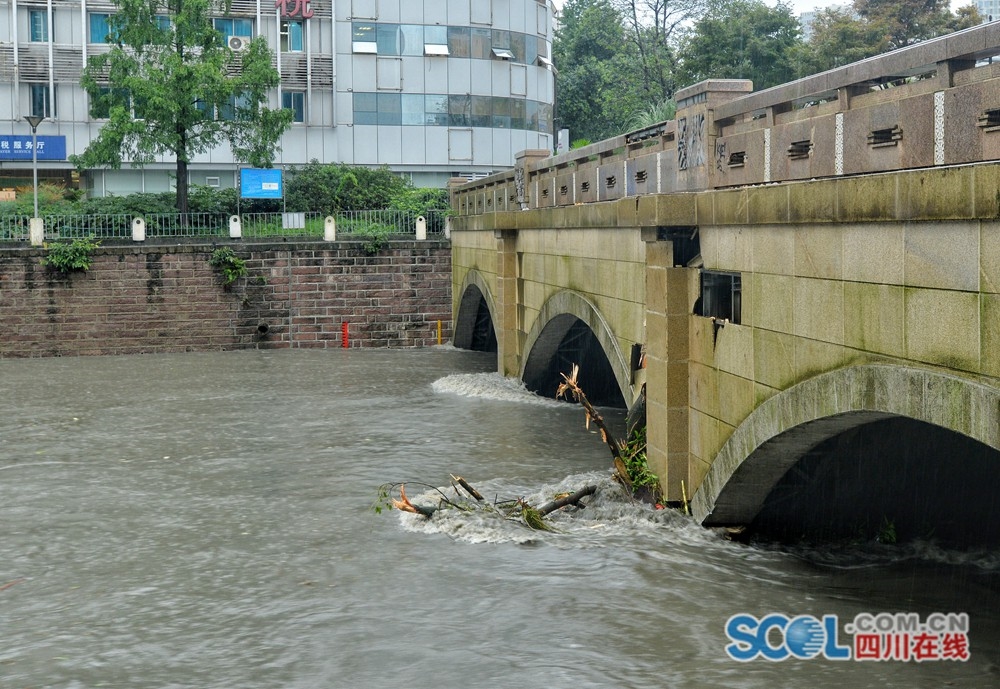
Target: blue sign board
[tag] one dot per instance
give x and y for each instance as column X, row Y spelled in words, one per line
column 18, row 147
column 259, row 183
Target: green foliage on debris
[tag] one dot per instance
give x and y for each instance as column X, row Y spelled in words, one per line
column 232, row 266
column 68, row 257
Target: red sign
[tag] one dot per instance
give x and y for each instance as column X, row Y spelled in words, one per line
column 294, row 8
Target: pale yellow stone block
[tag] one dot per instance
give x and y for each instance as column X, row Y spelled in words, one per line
column 701, row 340
column 768, row 204
column 734, row 350
column 704, row 389
column 656, row 290
column 874, row 253
column 866, row 197
column 873, row 318
column 773, row 302
column 773, row 358
column 819, row 252
column 990, row 309
column 813, row 357
column 736, row 398
column 819, row 310
column 774, row 249
column 709, row 238
column 942, row 255
column 735, row 251
column 943, row 328
column 731, row 207
column 989, row 256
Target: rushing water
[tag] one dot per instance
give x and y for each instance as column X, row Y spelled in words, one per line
column 205, row 521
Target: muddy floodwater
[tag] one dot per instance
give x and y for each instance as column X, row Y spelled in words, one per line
column 204, row 521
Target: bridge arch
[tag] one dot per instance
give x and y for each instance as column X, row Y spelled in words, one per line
column 568, row 316
column 784, row 428
column 475, row 322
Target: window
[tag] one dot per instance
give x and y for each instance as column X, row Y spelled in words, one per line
column 233, row 27
column 390, row 109
column 296, row 102
column 411, row 39
column 233, row 108
column 291, row 36
column 460, row 111
column 100, row 107
column 482, row 44
column 365, row 108
column 163, row 22
column 363, row 37
column 100, row 28
column 482, row 111
column 459, row 41
column 41, row 102
column 38, row 23
column 435, row 40
column 436, row 108
column 721, row 296
column 387, row 39
column 501, row 112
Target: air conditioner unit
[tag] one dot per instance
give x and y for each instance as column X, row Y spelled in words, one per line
column 238, row 43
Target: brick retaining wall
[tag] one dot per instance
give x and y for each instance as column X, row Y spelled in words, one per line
column 141, row 299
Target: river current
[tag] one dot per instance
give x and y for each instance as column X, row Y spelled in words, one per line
column 205, row 521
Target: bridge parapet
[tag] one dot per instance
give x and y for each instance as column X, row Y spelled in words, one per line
column 931, row 104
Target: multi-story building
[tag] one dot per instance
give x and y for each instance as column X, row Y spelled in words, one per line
column 431, row 88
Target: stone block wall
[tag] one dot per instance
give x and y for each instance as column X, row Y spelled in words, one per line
column 145, row 299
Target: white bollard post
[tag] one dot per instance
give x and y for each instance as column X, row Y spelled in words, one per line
column 447, row 227
column 138, row 230
column 421, row 228
column 235, row 228
column 330, row 229
column 36, row 231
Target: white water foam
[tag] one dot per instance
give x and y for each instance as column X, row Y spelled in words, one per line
column 491, row 386
column 608, row 516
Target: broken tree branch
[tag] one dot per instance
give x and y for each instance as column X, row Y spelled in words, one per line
column 572, row 499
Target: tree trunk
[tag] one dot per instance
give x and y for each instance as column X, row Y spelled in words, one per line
column 182, row 188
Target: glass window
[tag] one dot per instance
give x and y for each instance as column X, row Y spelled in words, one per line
column 291, row 36
column 389, row 108
column 234, row 108
column 41, row 103
column 413, row 108
column 482, row 44
column 100, row 29
column 436, row 35
column 363, row 37
column 460, row 111
column 530, row 49
column 517, row 46
column 296, row 102
column 501, row 112
column 365, row 108
column 531, row 115
column 100, row 107
column 411, row 39
column 545, row 118
column 459, row 41
column 38, row 22
column 501, row 39
column 163, row 22
column 437, row 110
column 517, row 113
column 482, row 111
column 233, row 27
column 387, row 39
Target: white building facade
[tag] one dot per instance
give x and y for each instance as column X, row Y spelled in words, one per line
column 433, row 89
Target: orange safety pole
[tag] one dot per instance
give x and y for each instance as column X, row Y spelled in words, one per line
column 343, row 334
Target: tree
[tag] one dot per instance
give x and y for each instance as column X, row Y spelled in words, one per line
column 742, row 39
column 169, row 85
column 840, row 37
column 652, row 27
column 597, row 88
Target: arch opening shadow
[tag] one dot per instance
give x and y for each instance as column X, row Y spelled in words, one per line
column 893, row 479
column 566, row 340
column 474, row 327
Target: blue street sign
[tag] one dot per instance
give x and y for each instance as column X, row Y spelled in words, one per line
column 259, row 183
column 18, row 147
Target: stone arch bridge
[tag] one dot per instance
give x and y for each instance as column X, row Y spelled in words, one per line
column 805, row 279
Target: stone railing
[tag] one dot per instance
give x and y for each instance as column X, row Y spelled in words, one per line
column 931, row 104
